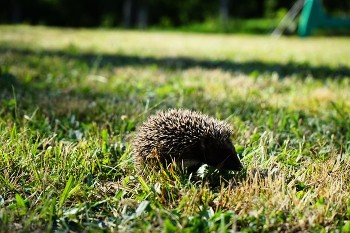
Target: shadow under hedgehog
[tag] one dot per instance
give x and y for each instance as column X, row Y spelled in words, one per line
column 189, row 138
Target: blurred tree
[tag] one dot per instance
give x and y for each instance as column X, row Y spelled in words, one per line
column 224, row 11
column 127, row 8
column 16, row 11
column 142, row 14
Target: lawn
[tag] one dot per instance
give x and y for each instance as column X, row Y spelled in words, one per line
column 71, row 99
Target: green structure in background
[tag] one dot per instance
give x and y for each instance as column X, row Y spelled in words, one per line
column 313, row 16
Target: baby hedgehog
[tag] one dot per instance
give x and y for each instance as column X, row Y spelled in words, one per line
column 187, row 137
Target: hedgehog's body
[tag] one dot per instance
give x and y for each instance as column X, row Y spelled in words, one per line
column 189, row 138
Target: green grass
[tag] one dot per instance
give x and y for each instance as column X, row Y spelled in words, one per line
column 213, row 25
column 70, row 101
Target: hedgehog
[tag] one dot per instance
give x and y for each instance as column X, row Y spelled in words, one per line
column 189, row 138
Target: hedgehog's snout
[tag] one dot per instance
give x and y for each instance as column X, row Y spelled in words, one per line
column 237, row 163
column 231, row 160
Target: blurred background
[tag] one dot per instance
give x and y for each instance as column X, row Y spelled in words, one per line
column 250, row 16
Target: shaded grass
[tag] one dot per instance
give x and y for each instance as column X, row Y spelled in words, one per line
column 253, row 68
column 67, row 115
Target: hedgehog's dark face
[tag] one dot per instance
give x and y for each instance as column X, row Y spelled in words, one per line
column 221, row 156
